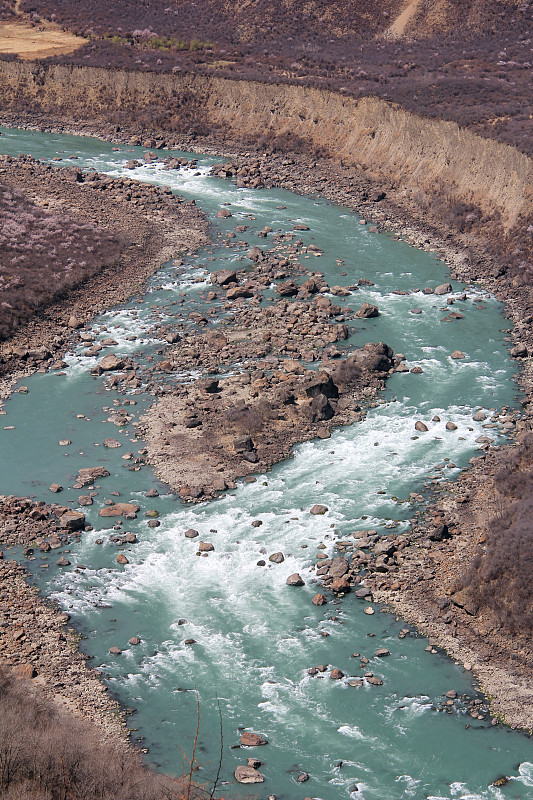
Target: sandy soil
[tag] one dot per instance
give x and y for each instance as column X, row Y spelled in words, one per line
column 401, row 22
column 40, row 42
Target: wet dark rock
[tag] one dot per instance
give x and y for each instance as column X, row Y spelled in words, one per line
column 322, row 385
column 440, row 533
column 319, row 600
column 367, row 311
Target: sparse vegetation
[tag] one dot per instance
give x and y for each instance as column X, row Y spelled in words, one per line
column 480, row 79
column 499, row 580
column 42, row 255
column 47, row 754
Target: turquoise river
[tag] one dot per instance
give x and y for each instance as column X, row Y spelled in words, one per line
column 255, row 637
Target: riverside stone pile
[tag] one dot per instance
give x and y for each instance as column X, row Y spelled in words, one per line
column 35, row 639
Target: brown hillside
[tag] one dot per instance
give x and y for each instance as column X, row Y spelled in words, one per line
column 272, row 21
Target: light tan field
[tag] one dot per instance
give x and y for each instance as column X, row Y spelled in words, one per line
column 38, row 42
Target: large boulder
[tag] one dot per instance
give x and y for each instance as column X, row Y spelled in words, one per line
column 223, row 276
column 72, row 520
column 250, row 739
column 119, row 510
column 295, row 580
column 255, row 254
column 367, row 311
column 338, row 567
column 239, row 291
column 248, row 775
column 322, row 384
column 321, row 409
column 88, row 475
column 111, row 362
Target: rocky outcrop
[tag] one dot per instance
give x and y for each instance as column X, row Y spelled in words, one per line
column 200, row 442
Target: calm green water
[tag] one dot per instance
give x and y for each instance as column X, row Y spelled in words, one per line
column 255, row 637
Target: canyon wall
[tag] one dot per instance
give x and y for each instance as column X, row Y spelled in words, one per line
column 423, row 157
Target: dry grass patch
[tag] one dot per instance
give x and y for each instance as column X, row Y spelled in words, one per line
column 29, row 43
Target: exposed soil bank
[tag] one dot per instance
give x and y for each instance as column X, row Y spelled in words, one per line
column 422, row 157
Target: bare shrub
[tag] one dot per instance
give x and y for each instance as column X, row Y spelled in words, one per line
column 42, row 255
column 500, row 578
column 48, row 754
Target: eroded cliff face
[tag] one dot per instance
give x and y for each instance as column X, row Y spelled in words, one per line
column 424, row 158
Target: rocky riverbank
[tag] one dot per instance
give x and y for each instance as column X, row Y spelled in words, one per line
column 153, row 226
column 426, row 588
column 36, row 641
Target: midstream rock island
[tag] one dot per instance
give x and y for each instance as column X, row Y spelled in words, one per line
column 202, row 437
